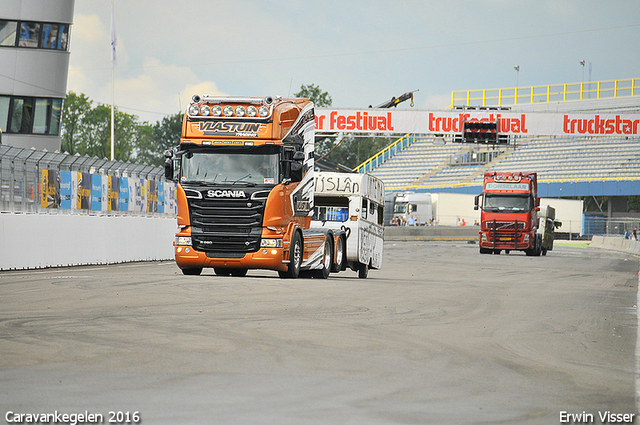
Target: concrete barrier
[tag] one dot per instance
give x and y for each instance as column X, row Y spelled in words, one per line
column 616, row 244
column 431, row 233
column 32, row 241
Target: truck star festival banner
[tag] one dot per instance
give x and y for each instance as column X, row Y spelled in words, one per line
column 450, row 122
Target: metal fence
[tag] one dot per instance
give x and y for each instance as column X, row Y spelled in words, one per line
column 603, row 226
column 34, row 181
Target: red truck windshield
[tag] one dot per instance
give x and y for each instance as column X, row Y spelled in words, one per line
column 506, row 203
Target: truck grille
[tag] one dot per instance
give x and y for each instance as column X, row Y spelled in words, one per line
column 502, row 225
column 226, row 225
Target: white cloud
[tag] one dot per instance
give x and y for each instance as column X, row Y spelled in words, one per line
column 150, row 91
column 437, row 101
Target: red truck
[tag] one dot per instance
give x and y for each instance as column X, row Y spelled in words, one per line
column 509, row 206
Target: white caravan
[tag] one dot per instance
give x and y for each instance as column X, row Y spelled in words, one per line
column 355, row 203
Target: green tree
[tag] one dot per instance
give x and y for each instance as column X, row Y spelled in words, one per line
column 166, row 135
column 353, row 149
column 315, row 94
column 76, row 107
column 86, row 130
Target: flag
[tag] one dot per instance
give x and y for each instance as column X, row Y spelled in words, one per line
column 114, row 39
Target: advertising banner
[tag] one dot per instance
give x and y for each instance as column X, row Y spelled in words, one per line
column 123, row 196
column 113, row 192
column 50, row 189
column 161, row 197
column 96, row 192
column 450, row 122
column 84, row 191
column 140, row 195
column 152, row 196
column 67, row 189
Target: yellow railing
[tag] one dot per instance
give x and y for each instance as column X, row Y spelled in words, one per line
column 386, row 153
column 550, row 93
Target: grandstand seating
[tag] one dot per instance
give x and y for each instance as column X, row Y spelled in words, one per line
column 429, row 162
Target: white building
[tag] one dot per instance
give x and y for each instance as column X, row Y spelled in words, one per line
column 34, row 53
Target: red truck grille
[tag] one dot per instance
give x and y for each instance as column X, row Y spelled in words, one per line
column 502, row 225
column 504, row 235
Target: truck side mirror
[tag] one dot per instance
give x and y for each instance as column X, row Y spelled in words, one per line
column 168, row 165
column 476, row 202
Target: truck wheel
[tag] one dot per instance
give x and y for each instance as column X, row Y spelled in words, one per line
column 538, row 249
column 192, row 271
column 295, row 258
column 219, row 271
column 363, row 270
column 544, row 251
column 327, row 260
column 238, row 272
column 340, row 256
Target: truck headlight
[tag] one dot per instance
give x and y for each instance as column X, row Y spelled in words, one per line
column 483, row 237
column 526, row 237
column 216, row 110
column 271, row 243
column 263, row 111
column 183, row 240
column 193, row 109
column 205, row 109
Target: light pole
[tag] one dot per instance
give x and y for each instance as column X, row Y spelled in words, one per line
column 517, row 68
column 582, row 62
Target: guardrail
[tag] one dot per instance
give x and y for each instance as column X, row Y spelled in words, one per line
column 386, row 153
column 34, row 181
column 549, row 93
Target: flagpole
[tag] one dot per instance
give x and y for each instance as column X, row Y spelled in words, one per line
column 113, row 64
column 112, row 114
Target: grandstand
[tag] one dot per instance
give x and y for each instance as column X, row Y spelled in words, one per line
column 438, row 163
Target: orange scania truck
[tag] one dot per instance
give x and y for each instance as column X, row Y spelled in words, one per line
column 245, row 188
column 509, row 214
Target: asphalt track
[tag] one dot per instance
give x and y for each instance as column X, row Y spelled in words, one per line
column 440, row 335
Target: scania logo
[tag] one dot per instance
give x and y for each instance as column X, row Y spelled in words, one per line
column 226, row 194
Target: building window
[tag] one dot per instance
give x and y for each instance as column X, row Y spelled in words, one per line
column 50, row 36
column 29, row 34
column 34, row 35
column 4, row 112
column 8, row 33
column 28, row 115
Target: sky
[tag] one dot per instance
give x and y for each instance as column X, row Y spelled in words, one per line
column 361, row 52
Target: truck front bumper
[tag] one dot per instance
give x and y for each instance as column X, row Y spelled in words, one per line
column 496, row 240
column 264, row 258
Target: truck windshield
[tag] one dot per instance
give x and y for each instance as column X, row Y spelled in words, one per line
column 400, row 208
column 506, row 203
column 230, row 168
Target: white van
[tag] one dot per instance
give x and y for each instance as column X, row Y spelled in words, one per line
column 354, row 203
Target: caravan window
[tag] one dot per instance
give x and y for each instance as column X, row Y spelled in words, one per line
column 330, row 208
column 363, row 210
